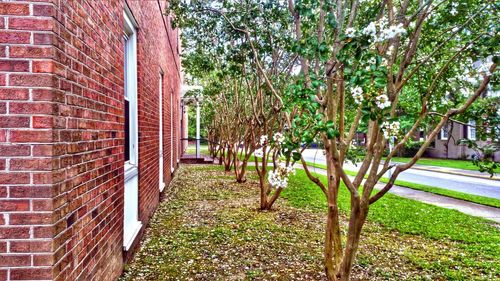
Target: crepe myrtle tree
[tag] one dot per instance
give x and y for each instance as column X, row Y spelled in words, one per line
column 359, row 60
column 231, row 35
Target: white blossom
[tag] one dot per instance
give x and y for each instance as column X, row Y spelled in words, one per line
column 279, row 138
column 390, row 129
column 357, row 93
column 350, row 32
column 382, row 101
column 258, row 152
column 263, row 140
column 278, row 178
column 370, row 29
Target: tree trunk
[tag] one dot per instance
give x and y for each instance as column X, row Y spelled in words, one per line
column 263, row 192
column 333, row 241
column 356, row 222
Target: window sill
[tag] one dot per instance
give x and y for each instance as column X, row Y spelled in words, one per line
column 130, row 171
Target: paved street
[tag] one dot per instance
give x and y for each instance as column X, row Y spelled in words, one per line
column 471, row 185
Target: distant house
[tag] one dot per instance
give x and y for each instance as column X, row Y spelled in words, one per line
column 445, row 144
column 89, row 133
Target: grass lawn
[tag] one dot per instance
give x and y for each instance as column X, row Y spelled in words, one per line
column 191, row 149
column 493, row 202
column 447, row 163
column 210, row 229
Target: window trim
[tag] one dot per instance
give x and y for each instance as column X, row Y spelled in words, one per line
column 130, row 88
column 471, row 125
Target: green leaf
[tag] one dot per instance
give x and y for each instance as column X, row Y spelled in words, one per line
column 296, row 156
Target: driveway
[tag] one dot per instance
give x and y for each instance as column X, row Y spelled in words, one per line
column 465, row 184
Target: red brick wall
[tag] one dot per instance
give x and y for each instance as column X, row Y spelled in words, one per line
column 61, row 133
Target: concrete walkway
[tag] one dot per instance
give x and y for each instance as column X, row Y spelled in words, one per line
column 469, row 208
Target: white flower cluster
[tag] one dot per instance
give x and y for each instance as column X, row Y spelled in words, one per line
column 390, row 129
column 279, row 138
column 382, row 101
column 259, row 152
column 279, row 177
column 357, row 93
column 454, row 7
column 485, row 67
column 384, row 32
column 263, row 140
column 350, row 32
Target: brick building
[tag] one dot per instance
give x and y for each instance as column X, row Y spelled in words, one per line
column 83, row 160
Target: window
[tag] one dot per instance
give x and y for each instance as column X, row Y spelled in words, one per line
column 471, row 130
column 130, row 77
column 444, row 132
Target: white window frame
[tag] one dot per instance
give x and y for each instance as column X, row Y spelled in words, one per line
column 471, row 129
column 130, row 36
column 132, row 225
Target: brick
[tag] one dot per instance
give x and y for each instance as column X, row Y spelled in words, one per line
column 43, row 10
column 3, row 249
column 14, row 65
column 30, row 246
column 14, row 94
column 31, row 191
column 14, row 232
column 14, row 122
column 3, row 108
column 3, row 51
column 42, row 205
column 43, row 122
column 3, row 164
column 43, row 66
column 36, row 164
column 15, row 150
column 43, row 260
column 32, row 80
column 31, row 108
column 14, row 9
column 29, row 218
column 15, row 37
column 43, row 231
column 2, row 80
column 34, row 273
column 48, row 95
column 31, row 136
column 15, row 260
column 30, row 24
column 14, row 205
column 30, row 52
column 43, row 38
column 14, row 178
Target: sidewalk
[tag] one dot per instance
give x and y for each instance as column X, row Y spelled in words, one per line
column 469, row 208
column 454, row 171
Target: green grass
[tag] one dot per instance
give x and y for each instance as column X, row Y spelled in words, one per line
column 493, row 202
column 475, row 235
column 192, row 150
column 447, row 163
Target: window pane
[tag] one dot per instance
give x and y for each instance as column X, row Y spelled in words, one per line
column 127, row 131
